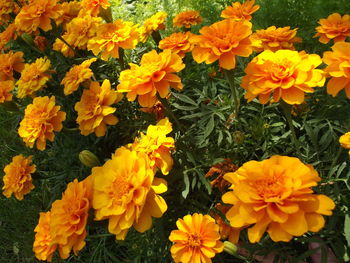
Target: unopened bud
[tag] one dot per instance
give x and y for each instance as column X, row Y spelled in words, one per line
column 230, row 248
column 88, row 159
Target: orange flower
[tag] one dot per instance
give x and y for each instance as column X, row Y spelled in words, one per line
column 77, row 75
column 196, row 240
column 333, row 27
column 10, row 62
column 69, row 11
column 43, row 246
column 338, row 68
column 126, row 193
column 240, row 11
column 60, row 46
column 275, row 195
column 156, row 74
column 154, row 23
column 40, row 121
column 7, row 35
column 178, row 43
column 6, row 8
column 6, row 86
column 94, row 110
column 93, row 6
column 284, row 73
column 274, row 38
column 37, row 14
column 34, row 77
column 69, row 217
column 344, row 141
column 187, row 19
column 223, row 41
column 41, row 42
column 112, row 36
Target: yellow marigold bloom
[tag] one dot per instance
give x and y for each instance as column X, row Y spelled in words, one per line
column 284, row 74
column 69, row 217
column 156, row 74
column 157, row 145
column 41, row 119
column 69, row 11
column 338, row 67
column 179, row 43
column 93, row 6
column 238, row 11
column 6, row 86
column 333, row 27
column 275, row 195
column 34, row 77
column 17, row 178
column 60, row 46
column 344, row 141
column 275, row 38
column 94, row 110
column 77, row 75
column 187, row 19
column 196, row 240
column 10, row 62
column 126, row 193
column 223, row 41
column 112, row 36
column 7, row 35
column 43, row 246
column 154, row 23
column 37, row 14
column 6, row 8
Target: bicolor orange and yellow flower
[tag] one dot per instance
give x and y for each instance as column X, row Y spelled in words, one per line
column 334, row 27
column 187, row 19
column 179, row 43
column 154, row 23
column 238, row 11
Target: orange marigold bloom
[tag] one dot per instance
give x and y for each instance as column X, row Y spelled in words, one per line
column 126, row 193
column 77, row 75
column 69, row 11
column 154, row 23
column 10, row 62
column 275, row 38
column 338, row 67
column 196, row 240
column 344, row 141
column 41, row 119
column 17, row 178
column 156, row 74
column 286, row 74
column 60, row 46
column 6, row 86
column 187, row 19
column 333, row 27
column 34, row 77
column 37, row 14
column 112, row 36
column 93, row 6
column 223, row 41
column 276, row 197
column 43, row 246
column 179, row 43
column 7, row 35
column 6, row 8
column 238, row 11
column 69, row 217
column 94, row 110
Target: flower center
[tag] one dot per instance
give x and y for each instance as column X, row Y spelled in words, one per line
column 194, row 240
column 120, row 187
column 271, row 187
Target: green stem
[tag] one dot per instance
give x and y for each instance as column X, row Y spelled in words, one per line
column 65, row 42
column 230, row 77
column 170, row 113
column 121, row 59
column 156, row 37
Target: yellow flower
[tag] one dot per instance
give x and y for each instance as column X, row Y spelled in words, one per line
column 333, row 27
column 156, row 74
column 196, row 240
column 43, row 246
column 240, row 11
column 93, row 6
column 77, row 75
column 154, row 23
column 126, row 193
column 338, row 67
column 112, row 36
column 17, row 178
column 275, row 195
column 6, row 86
column 187, row 19
column 60, row 46
column 223, row 41
column 94, row 110
column 179, row 43
column 34, row 77
column 7, row 35
column 344, row 141
column 157, row 145
column 286, row 74
column 10, row 62
column 41, row 119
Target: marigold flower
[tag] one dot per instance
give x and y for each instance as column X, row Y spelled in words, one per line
column 276, row 197
column 41, row 42
column 178, row 43
column 17, row 178
column 7, row 35
column 344, row 141
column 156, row 74
column 6, row 8
column 10, row 62
column 187, row 19
column 333, row 27
column 34, row 77
column 223, row 41
column 112, row 36
column 157, row 109
column 41, row 119
column 126, row 193
column 93, row 6
column 275, row 38
column 60, row 46
column 6, row 86
column 43, row 246
column 69, row 11
column 238, row 11
column 197, row 239
column 154, row 23
column 94, row 110
column 338, row 67
column 77, row 75
column 286, row 74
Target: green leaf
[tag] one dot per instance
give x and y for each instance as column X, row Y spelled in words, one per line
column 187, row 186
column 347, row 229
column 209, row 128
column 185, row 98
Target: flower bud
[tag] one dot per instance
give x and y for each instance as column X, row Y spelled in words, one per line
column 230, row 248
column 88, row 159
